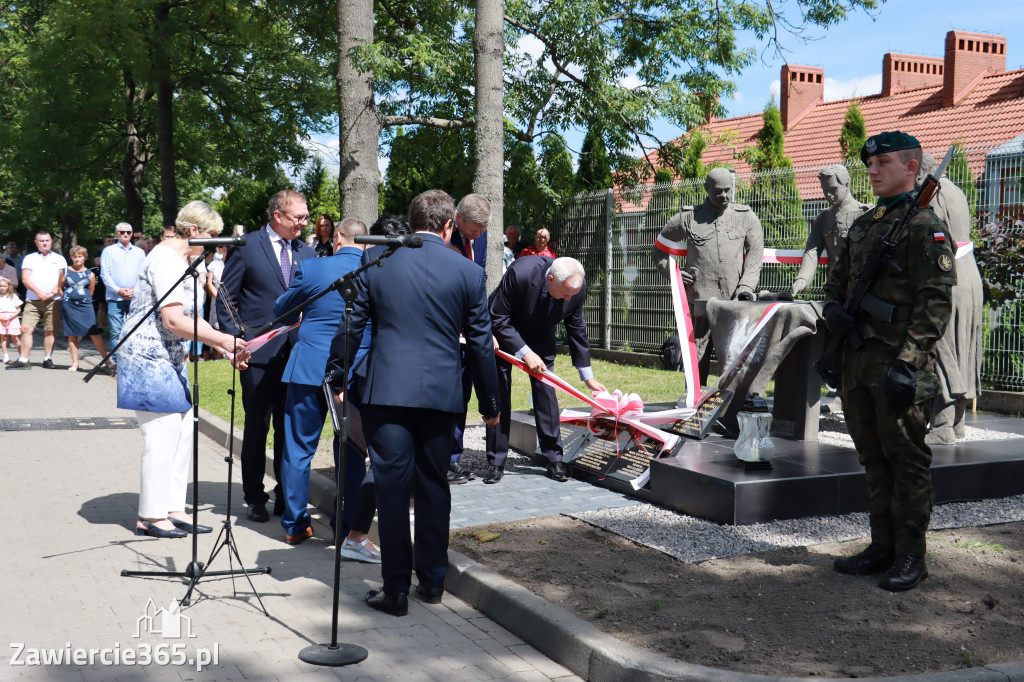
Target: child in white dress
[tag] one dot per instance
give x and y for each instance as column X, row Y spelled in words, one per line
column 10, row 308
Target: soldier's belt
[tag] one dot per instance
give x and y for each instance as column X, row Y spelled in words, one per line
column 886, row 312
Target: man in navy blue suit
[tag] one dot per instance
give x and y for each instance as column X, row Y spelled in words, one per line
column 254, row 276
column 419, row 302
column 536, row 294
column 469, row 238
column 305, row 402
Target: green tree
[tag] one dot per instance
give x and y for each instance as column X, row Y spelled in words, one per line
column 852, row 136
column 773, row 193
column 106, row 87
column 594, row 172
column 853, row 133
column 425, row 158
column 320, row 187
column 556, row 167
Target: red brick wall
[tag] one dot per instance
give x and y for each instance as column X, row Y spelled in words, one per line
column 907, row 72
column 799, row 86
column 967, row 55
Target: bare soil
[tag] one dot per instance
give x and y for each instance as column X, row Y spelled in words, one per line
column 784, row 612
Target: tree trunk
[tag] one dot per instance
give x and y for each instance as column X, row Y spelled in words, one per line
column 134, row 155
column 489, row 160
column 165, row 117
column 358, row 121
column 68, row 224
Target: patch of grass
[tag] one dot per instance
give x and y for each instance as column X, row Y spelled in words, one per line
column 601, row 612
column 656, row 606
column 978, row 544
column 653, row 385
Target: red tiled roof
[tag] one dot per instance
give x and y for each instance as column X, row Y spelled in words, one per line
column 992, row 113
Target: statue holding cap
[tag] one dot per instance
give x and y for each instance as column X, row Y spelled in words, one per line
column 724, row 252
column 829, row 230
column 888, row 382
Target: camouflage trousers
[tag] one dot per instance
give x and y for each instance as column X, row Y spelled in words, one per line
column 898, row 464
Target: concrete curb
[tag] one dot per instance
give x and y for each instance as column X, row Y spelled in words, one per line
column 569, row 640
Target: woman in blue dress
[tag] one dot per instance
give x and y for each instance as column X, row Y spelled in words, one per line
column 151, row 374
column 77, row 313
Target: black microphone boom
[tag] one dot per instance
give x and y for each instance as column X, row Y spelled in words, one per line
column 413, row 241
column 214, row 242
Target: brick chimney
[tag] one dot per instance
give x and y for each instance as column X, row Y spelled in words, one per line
column 908, row 71
column 800, row 87
column 969, row 56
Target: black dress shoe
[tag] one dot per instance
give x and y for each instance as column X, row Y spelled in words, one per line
column 556, row 470
column 906, row 573
column 458, row 473
column 278, row 506
column 258, row 513
column 188, row 527
column 157, row 532
column 395, row 604
column 872, row 560
column 494, row 474
column 431, row 595
column 47, row 363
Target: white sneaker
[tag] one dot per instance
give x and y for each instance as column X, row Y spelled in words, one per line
column 360, row 551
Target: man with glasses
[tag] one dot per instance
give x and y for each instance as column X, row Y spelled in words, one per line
column 254, row 276
column 120, row 264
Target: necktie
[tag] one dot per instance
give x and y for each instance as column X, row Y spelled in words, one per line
column 469, row 248
column 286, row 263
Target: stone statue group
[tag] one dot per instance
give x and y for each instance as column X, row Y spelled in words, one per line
column 725, row 247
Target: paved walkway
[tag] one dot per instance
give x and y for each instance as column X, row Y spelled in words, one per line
column 70, row 500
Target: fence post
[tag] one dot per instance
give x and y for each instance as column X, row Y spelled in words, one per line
column 608, row 227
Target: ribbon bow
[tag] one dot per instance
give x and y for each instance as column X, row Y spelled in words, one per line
column 616, row 404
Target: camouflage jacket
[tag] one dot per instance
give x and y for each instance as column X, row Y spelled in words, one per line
column 919, row 288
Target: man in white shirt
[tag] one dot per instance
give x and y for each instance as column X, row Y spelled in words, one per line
column 120, row 264
column 42, row 273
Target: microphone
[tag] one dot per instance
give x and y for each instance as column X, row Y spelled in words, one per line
column 413, row 241
column 214, row 242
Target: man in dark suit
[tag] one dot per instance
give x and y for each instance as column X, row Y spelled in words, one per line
column 536, row 294
column 254, row 276
column 419, row 302
column 472, row 216
column 305, row 402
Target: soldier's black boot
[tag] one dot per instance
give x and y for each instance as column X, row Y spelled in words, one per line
column 906, row 573
column 872, row 560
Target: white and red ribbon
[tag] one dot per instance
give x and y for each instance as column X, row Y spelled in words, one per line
column 261, row 340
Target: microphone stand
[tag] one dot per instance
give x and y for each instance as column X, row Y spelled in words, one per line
column 335, row 654
column 195, row 570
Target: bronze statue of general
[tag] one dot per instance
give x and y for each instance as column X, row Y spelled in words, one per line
column 724, row 253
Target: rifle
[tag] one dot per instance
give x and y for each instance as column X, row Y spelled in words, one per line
column 861, row 298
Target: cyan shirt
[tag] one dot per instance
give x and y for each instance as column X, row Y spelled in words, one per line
column 119, row 268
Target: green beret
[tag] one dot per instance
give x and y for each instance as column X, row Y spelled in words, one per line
column 883, row 143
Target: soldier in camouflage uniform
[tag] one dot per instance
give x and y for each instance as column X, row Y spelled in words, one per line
column 717, row 234
column 888, row 385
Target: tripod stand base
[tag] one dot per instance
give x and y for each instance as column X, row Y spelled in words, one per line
column 334, row 657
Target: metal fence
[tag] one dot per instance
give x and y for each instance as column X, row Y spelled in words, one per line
column 629, row 305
